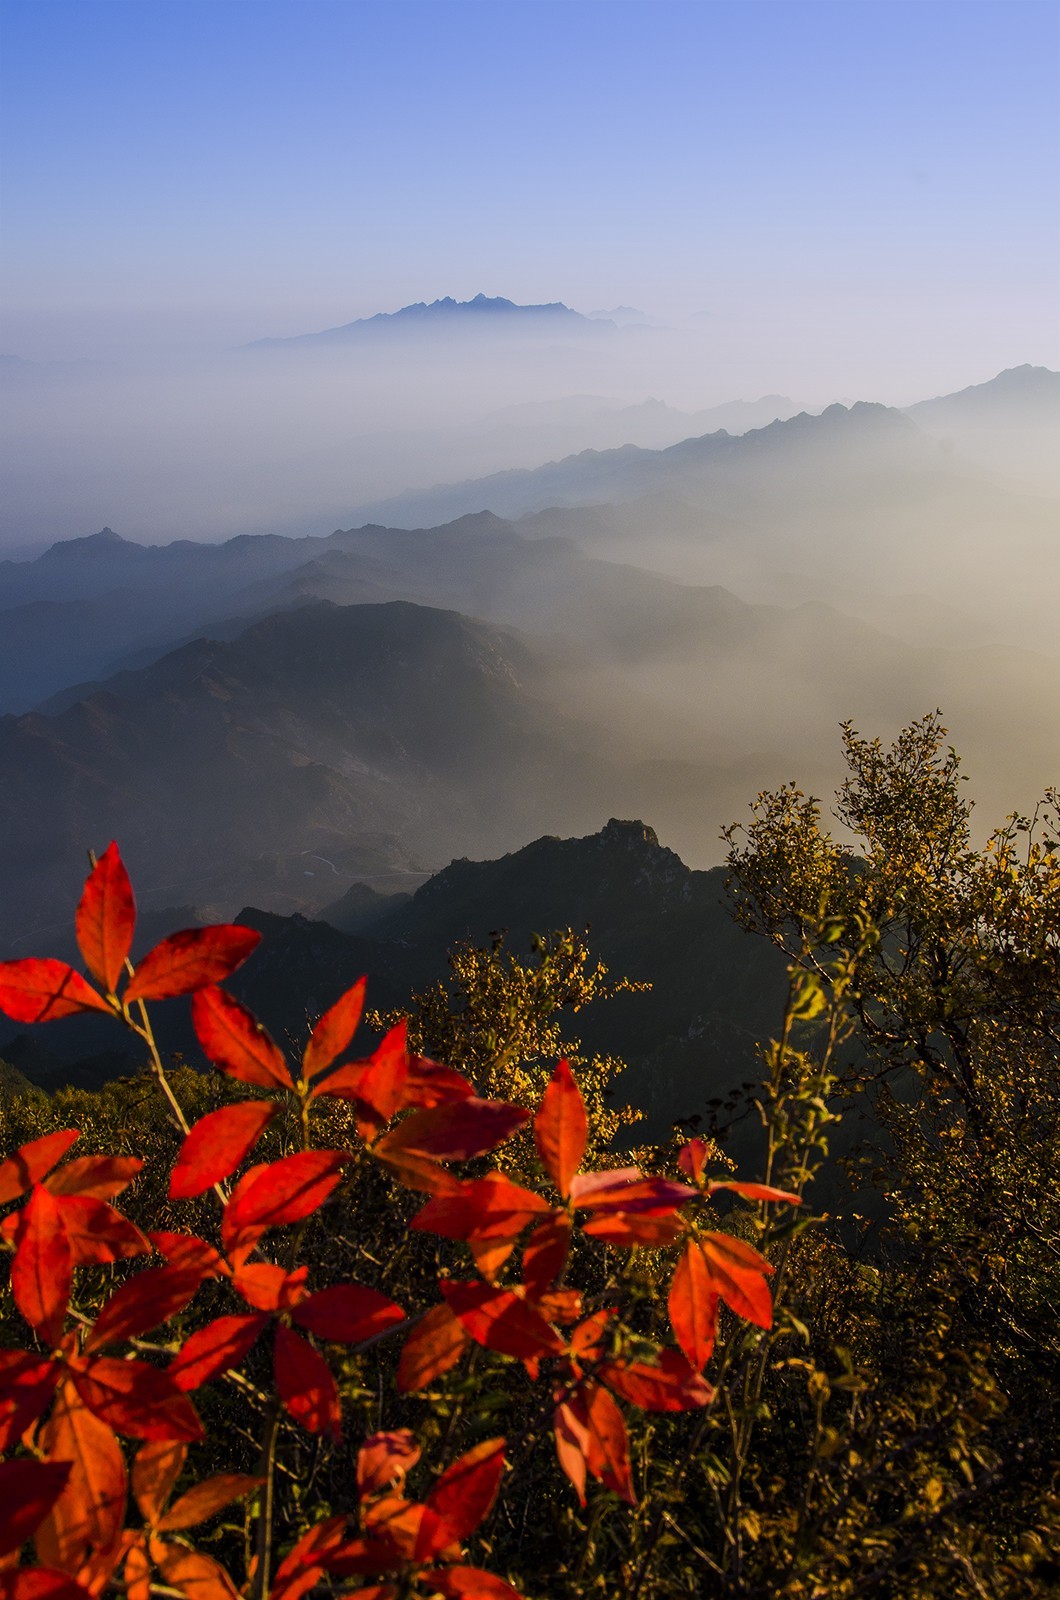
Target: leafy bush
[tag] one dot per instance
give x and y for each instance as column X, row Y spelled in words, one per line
column 520, row 1306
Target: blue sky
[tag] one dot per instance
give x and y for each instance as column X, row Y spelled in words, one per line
column 225, row 169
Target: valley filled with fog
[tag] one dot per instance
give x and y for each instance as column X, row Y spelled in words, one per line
column 434, row 584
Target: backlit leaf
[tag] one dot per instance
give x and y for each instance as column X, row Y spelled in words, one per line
column 626, row 1189
column 346, row 1313
column 42, row 1271
column 195, row 1575
column 305, row 1384
column 106, row 917
column 190, row 960
column 41, row 990
column 217, row 1144
column 136, row 1399
column 215, row 1349
column 155, row 1471
column 32, row 1162
column 97, row 1177
column 88, row 1515
column 561, row 1128
column 384, row 1459
column 206, row 1499
column 434, row 1344
column 757, row 1191
column 545, row 1253
column 634, row 1228
column 737, row 1273
column 607, row 1453
column 97, row 1232
column 480, row 1208
column 282, row 1192
column 670, row 1384
column 464, row 1493
column 501, row 1321
column 693, row 1306
column 235, row 1041
column 144, row 1302
column 333, row 1032
column 457, row 1131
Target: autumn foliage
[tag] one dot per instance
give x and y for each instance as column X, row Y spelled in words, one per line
column 97, row 1412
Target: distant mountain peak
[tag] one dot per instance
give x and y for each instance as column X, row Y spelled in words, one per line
column 91, row 544
column 448, row 313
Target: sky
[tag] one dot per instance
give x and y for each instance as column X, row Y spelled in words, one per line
column 864, row 193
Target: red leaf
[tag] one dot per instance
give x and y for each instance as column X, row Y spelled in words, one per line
column 481, row 1208
column 464, row 1493
column 625, row 1189
column 97, row 1232
column 693, row 1306
column 42, row 1271
column 586, row 1337
column 417, row 1172
column 738, row 1275
column 302, row 1566
column 671, row 1384
column 757, row 1191
column 634, row 1228
column 155, row 1471
column 693, row 1159
column 215, row 1349
column 136, row 1399
column 305, row 1385
column 234, row 1040
column 192, row 1254
column 545, row 1253
column 197, row 1576
column 268, row 1287
column 28, row 1490
column 428, row 1084
column 33, row 1161
column 106, row 917
column 561, row 1128
column 88, row 1515
column 98, row 1177
column 191, row 960
column 457, row 1131
column 607, row 1454
column 347, row 1313
column 378, row 1082
column 572, row 1445
column 40, row 1583
column 217, row 1144
column 206, row 1499
column 40, row 990
column 27, row 1383
column 501, row 1321
column 144, row 1302
column 284, row 1191
column 333, row 1032
column 468, row 1583
column 384, row 1459
column 435, row 1344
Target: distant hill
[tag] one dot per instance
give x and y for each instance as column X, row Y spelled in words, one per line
column 1011, row 424
column 364, row 741
column 447, row 316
